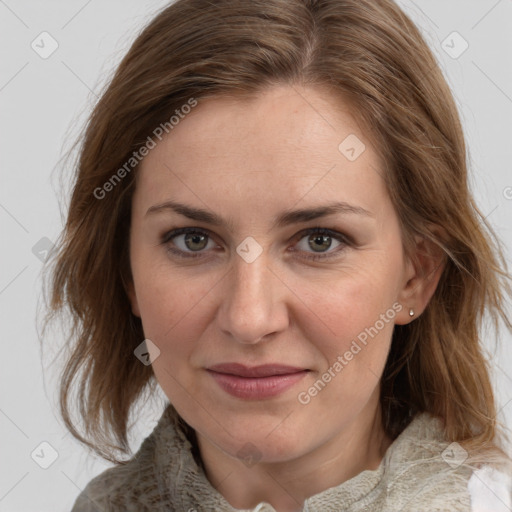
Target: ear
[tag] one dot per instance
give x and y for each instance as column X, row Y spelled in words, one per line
column 132, row 296
column 423, row 269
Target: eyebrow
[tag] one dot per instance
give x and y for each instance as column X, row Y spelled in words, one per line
column 284, row 219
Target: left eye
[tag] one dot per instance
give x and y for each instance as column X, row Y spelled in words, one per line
column 318, row 242
column 321, row 243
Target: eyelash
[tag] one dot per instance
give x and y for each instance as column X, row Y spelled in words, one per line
column 343, row 239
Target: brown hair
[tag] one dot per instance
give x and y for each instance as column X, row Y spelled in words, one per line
column 365, row 50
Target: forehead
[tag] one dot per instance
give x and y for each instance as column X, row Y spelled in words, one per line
column 286, row 142
column 284, row 119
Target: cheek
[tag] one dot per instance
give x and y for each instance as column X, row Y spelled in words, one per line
column 350, row 320
column 172, row 305
column 344, row 307
column 354, row 344
column 174, row 313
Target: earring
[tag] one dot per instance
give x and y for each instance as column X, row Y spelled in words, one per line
column 411, row 312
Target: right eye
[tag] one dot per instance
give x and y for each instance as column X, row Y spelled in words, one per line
column 188, row 242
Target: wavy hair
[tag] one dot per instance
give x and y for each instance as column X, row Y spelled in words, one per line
column 366, row 52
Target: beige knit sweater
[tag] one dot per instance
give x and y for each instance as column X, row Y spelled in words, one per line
column 420, row 472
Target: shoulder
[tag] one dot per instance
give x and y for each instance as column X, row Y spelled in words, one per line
column 123, row 487
column 422, row 471
column 138, row 485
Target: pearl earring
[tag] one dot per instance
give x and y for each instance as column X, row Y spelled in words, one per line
column 411, row 312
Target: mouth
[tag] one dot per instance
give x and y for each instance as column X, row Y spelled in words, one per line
column 256, row 382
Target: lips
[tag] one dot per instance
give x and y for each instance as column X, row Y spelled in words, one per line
column 256, row 382
column 265, row 370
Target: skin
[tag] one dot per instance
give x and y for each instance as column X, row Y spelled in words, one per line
column 248, row 161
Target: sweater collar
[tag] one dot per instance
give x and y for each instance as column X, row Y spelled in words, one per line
column 183, row 482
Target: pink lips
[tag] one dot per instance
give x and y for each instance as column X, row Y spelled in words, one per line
column 257, row 382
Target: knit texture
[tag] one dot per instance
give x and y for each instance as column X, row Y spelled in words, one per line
column 163, row 475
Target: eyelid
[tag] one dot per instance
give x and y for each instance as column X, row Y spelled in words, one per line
column 341, row 237
column 169, row 235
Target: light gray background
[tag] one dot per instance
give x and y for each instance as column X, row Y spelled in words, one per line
column 44, row 103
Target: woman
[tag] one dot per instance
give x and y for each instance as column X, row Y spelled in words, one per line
column 271, row 221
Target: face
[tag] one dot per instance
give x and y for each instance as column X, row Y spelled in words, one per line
column 268, row 269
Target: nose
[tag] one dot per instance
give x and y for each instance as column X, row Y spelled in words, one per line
column 254, row 302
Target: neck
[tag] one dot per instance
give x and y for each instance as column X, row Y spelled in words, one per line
column 288, row 483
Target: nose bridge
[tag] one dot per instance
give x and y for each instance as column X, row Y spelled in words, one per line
column 249, row 308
